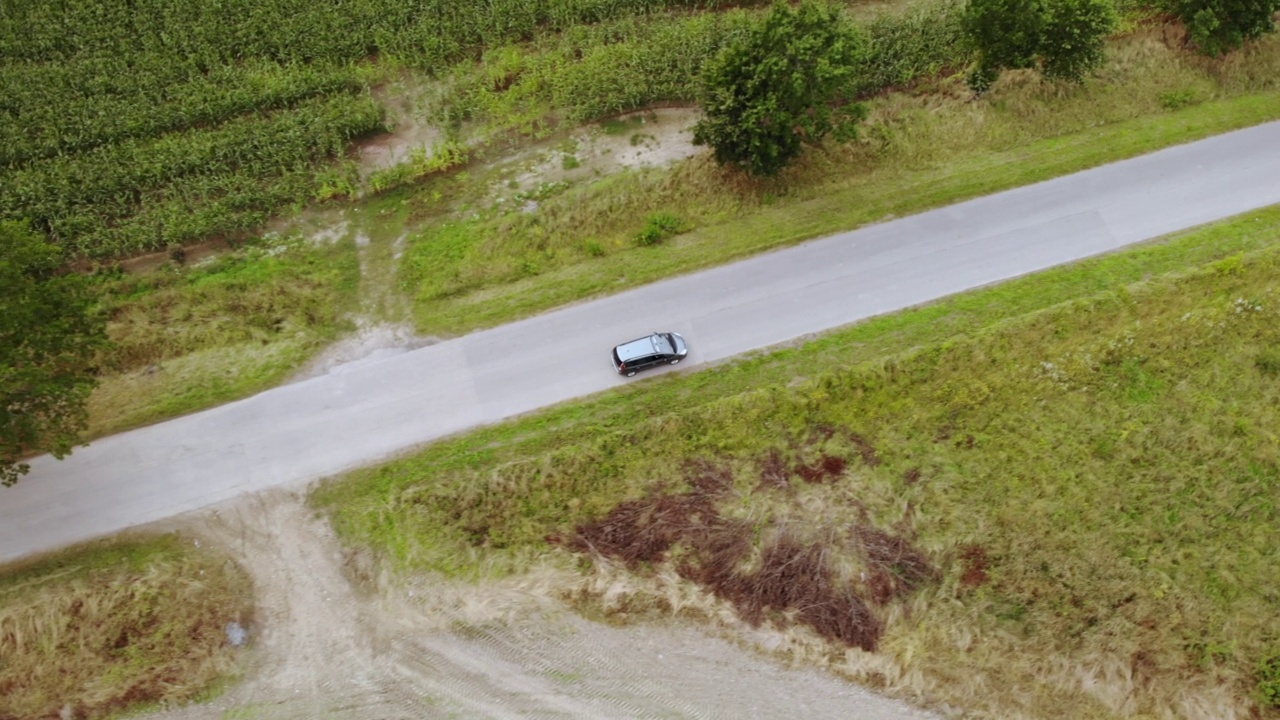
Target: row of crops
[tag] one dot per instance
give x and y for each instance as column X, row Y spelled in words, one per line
column 126, row 127
column 594, row 71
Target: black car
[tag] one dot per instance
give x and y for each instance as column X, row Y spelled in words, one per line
column 656, row 349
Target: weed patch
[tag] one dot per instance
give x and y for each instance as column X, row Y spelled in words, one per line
column 187, row 337
column 104, row 631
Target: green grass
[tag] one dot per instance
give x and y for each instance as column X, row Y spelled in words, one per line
column 919, row 150
column 117, row 626
column 186, row 338
column 1103, row 433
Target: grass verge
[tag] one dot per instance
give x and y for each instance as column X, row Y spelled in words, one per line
column 1049, row 498
column 102, row 630
column 187, row 338
column 489, row 260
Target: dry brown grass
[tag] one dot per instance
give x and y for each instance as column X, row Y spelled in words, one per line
column 93, row 633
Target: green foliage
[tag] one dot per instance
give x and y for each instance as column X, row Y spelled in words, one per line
column 781, row 87
column 1220, row 26
column 118, row 98
column 49, row 339
column 423, row 162
column 95, row 89
column 1006, row 33
column 434, row 265
column 591, row 71
column 924, row 40
column 142, row 194
column 658, row 227
column 1268, row 675
column 1072, row 42
column 1178, row 99
column 426, row 33
column 1063, row 38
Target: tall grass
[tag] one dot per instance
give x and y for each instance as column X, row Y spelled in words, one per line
column 185, row 338
column 98, row 631
column 1094, row 475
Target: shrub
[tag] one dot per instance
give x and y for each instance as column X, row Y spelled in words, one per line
column 1178, row 99
column 1064, row 38
column 658, row 227
column 1074, row 30
column 1220, row 26
column 781, row 87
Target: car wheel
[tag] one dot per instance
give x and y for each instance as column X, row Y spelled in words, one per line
column 674, row 361
column 631, row 373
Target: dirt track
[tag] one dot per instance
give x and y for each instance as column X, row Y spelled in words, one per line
column 323, row 648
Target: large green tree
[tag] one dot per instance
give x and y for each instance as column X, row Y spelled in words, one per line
column 1220, row 26
column 49, row 338
column 781, row 86
column 1062, row 38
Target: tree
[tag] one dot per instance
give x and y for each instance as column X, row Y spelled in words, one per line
column 1220, row 26
column 1073, row 40
column 781, row 86
column 1063, row 38
column 49, row 338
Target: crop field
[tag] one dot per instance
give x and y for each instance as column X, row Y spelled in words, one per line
column 133, row 127
column 1048, row 499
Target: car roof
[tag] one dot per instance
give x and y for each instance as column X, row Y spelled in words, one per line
column 636, row 348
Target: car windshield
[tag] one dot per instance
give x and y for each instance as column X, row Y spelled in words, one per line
column 662, row 344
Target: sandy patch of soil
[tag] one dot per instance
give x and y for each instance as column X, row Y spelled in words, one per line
column 649, row 138
column 372, row 341
column 406, row 100
column 326, row 643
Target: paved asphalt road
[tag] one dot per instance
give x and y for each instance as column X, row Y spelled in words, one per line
column 360, row 413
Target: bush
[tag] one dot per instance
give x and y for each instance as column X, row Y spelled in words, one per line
column 781, row 87
column 1064, row 38
column 1074, row 31
column 658, row 227
column 1220, row 26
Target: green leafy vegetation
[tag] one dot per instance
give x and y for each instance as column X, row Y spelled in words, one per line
column 49, row 339
column 1083, row 455
column 99, row 630
column 1221, row 26
column 132, row 127
column 1063, row 38
column 594, row 71
column 768, row 94
column 658, row 227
